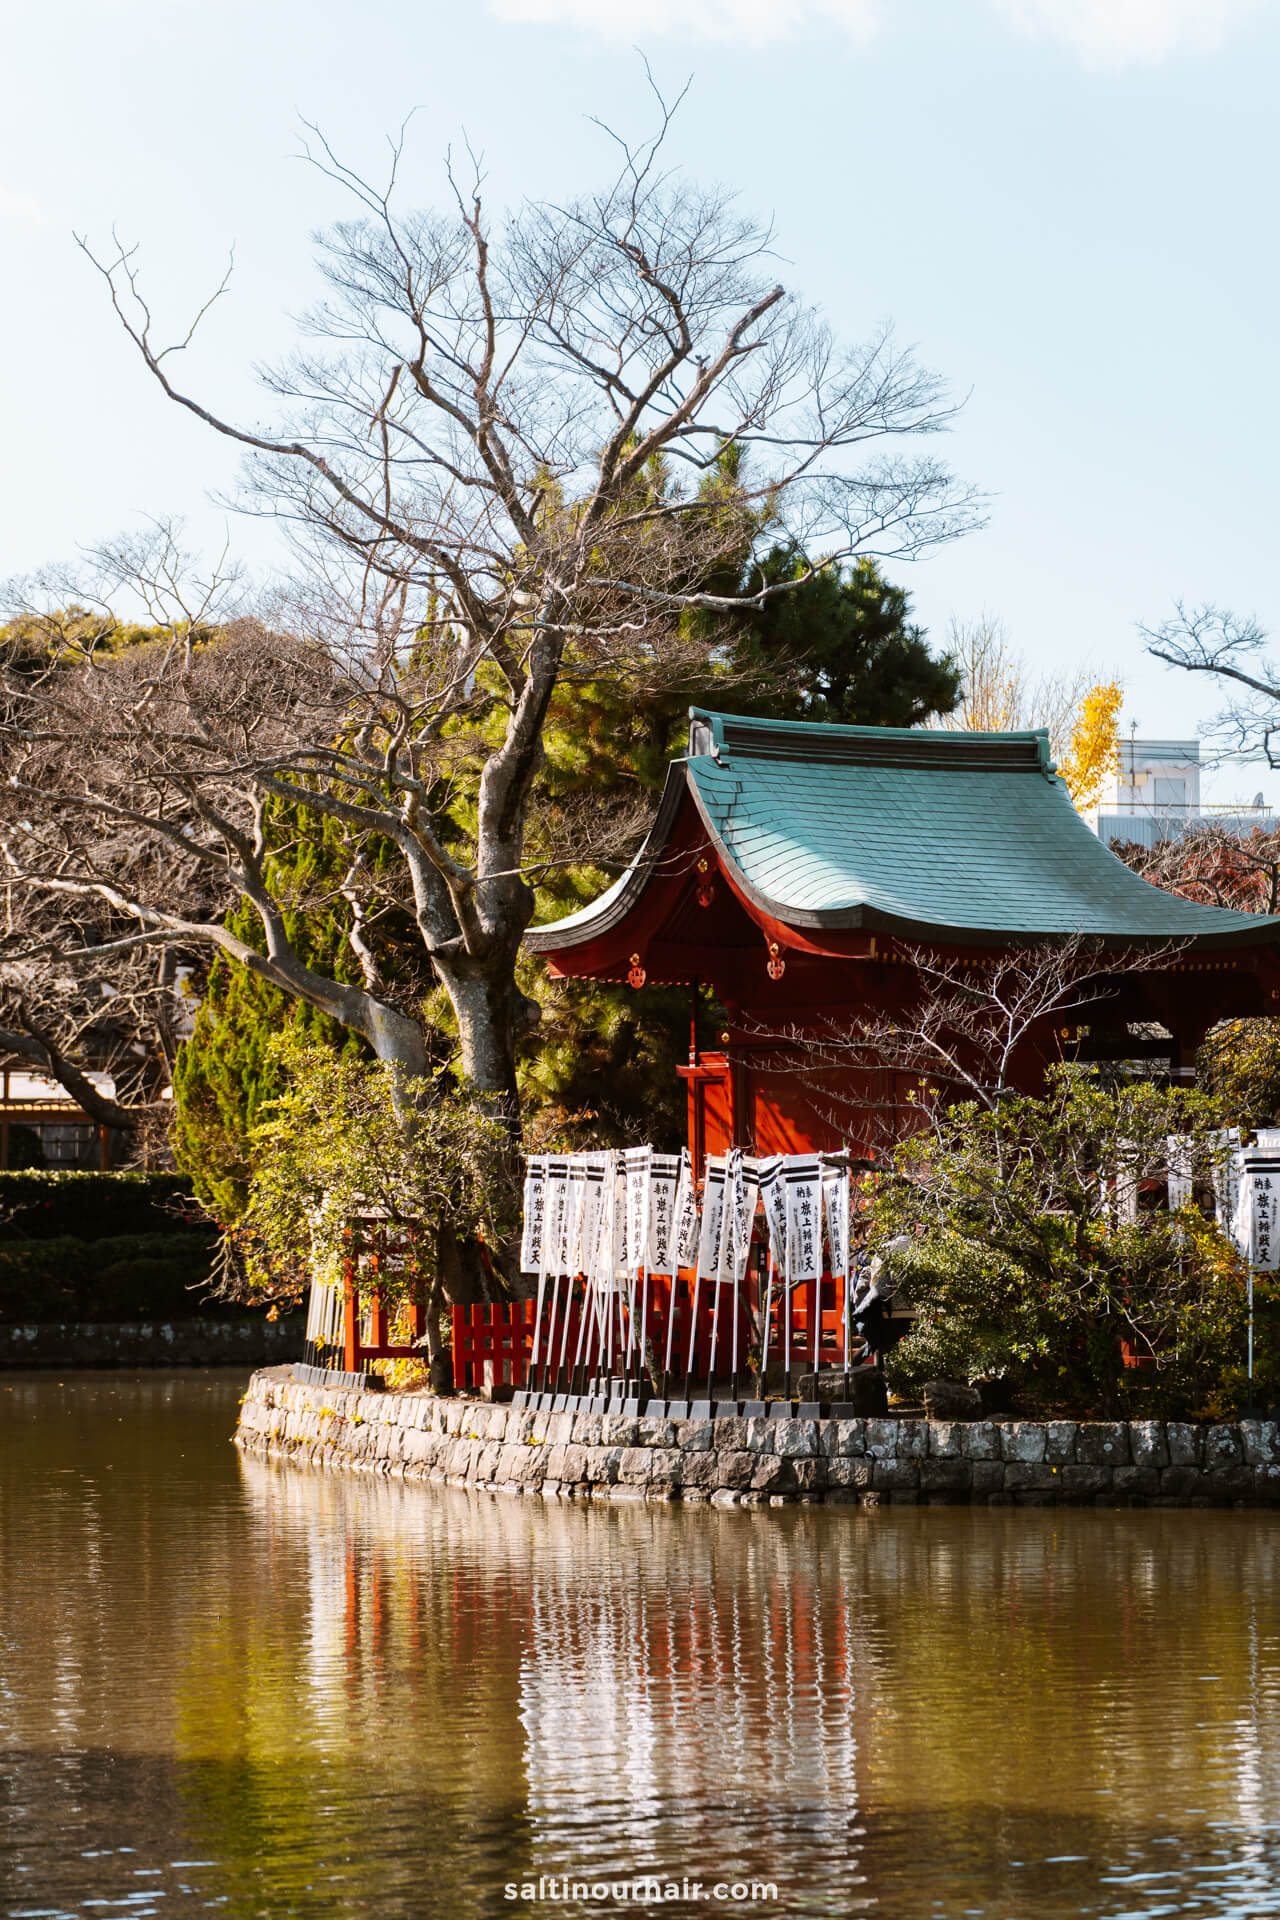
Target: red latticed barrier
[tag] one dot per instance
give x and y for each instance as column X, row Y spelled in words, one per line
column 491, row 1345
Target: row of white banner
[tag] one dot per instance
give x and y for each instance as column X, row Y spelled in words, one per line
column 608, row 1215
column 1247, row 1209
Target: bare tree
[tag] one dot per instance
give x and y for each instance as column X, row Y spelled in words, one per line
column 1000, row 692
column 1214, row 864
column 502, row 455
column 972, row 1029
column 1231, row 650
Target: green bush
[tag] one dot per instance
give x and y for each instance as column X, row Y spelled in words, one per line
column 43, row 1205
column 1239, row 1063
column 146, row 1276
column 1034, row 1244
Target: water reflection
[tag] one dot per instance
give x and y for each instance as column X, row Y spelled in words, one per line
column 351, row 1696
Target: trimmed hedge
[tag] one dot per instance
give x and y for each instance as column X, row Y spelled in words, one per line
column 139, row 1276
column 44, row 1205
column 104, row 1246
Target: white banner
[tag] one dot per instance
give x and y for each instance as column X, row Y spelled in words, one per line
column 686, row 1213
column 835, row 1196
column 774, row 1195
column 535, row 1175
column 741, row 1192
column 712, row 1213
column 1255, row 1228
column 573, row 1259
column 592, row 1208
column 664, row 1181
column 1179, row 1170
column 555, row 1219
column 635, row 1162
column 804, row 1216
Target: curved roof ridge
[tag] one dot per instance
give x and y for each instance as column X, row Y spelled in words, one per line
column 726, row 735
column 926, row 834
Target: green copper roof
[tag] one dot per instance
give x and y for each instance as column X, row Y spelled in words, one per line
column 907, row 830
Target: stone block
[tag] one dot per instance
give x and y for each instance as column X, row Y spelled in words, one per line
column 619, row 1430
column 574, row 1465
column 1258, row 1439
column 1231, row 1483
column 810, row 1474
column 1022, row 1441
column 895, row 1476
column 1185, row 1443
column 1139, row 1483
column 981, row 1441
column 657, row 1433
column 913, row 1439
column 634, row 1466
column 945, row 1441
column 586, row 1429
column 759, row 1435
column 487, row 1464
column 986, row 1477
column 725, row 1497
column 863, row 1389
column 666, row 1470
column 693, row 1435
column 850, row 1474
column 945, row 1476
column 796, row 1439
column 1075, row 1485
column 1060, row 1442
column 842, row 1439
column 1184, row 1483
column 729, row 1436
column 1102, row 1443
column 1222, row 1449
column 1031, row 1476
column 882, row 1439
column 735, row 1469
column 698, row 1469
column 1147, row 1443
column 600, row 1465
column 771, row 1473
column 952, row 1400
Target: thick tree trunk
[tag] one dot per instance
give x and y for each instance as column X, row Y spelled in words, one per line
column 492, row 1014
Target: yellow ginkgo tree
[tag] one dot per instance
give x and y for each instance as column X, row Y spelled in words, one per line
column 1092, row 754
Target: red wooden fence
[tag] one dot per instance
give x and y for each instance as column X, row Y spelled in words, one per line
column 492, row 1344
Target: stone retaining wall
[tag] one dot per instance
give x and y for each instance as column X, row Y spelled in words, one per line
column 151, row 1343
column 754, row 1462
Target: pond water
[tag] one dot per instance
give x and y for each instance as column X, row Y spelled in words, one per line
column 231, row 1687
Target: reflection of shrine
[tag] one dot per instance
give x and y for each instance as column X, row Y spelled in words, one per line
column 851, row 1704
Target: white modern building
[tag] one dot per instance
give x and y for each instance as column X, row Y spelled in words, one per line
column 1157, row 796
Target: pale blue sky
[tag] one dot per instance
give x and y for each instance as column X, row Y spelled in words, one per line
column 1068, row 205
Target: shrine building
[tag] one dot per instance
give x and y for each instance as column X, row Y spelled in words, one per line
column 799, row 871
